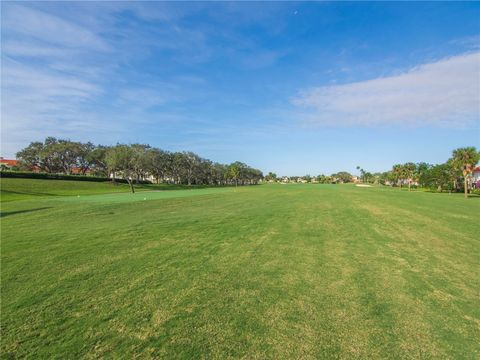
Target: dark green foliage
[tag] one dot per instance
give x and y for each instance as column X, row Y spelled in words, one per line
column 132, row 163
column 438, row 177
column 271, row 177
column 34, row 175
column 342, row 177
column 448, row 176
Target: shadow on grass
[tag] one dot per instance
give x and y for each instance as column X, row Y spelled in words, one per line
column 470, row 195
column 434, row 191
column 9, row 213
column 31, row 193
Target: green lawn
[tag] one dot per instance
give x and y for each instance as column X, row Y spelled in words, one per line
column 271, row 271
column 21, row 189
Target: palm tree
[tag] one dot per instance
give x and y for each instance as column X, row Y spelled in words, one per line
column 409, row 169
column 398, row 172
column 465, row 159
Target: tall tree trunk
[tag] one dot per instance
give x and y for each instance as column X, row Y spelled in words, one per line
column 465, row 186
column 130, row 182
column 408, row 185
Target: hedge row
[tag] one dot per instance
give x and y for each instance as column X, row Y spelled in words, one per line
column 48, row 176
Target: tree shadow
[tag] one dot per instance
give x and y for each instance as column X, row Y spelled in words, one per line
column 32, row 193
column 8, row 213
column 446, row 192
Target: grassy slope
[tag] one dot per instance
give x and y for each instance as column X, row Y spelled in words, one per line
column 21, row 189
column 302, row 271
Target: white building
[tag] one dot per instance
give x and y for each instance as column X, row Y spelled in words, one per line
column 476, row 177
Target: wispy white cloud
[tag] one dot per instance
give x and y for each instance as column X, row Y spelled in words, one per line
column 28, row 80
column 472, row 42
column 38, row 102
column 445, row 93
column 18, row 19
column 61, row 73
column 115, row 66
column 32, row 49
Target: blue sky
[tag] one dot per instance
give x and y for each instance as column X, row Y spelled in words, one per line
column 293, row 88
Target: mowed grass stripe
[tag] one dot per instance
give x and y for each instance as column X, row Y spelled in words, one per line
column 258, row 272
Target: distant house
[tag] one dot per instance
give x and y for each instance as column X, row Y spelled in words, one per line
column 79, row 171
column 6, row 163
column 476, row 177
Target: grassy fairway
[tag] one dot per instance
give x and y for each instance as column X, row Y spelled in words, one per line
column 21, row 189
column 301, row 271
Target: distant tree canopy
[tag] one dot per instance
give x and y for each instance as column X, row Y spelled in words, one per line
column 57, row 156
column 456, row 174
column 340, row 177
column 133, row 163
column 271, row 176
column 137, row 162
column 343, row 177
column 450, row 175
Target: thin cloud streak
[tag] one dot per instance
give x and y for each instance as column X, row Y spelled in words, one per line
column 443, row 93
column 21, row 20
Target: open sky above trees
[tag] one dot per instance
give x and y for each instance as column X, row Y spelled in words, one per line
column 293, row 88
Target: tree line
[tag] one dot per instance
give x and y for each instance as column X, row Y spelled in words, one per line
column 340, row 177
column 456, row 174
column 137, row 162
column 453, row 175
column 133, row 163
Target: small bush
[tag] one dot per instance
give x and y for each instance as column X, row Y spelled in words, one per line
column 476, row 191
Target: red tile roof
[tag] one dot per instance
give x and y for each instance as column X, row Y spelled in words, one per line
column 8, row 162
column 77, row 170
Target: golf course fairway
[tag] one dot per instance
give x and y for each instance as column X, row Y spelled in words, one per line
column 269, row 272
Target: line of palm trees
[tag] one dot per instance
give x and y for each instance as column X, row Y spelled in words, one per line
column 459, row 168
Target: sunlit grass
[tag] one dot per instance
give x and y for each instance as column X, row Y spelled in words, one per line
column 281, row 271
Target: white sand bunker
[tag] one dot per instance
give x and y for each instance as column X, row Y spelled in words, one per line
column 363, row 185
